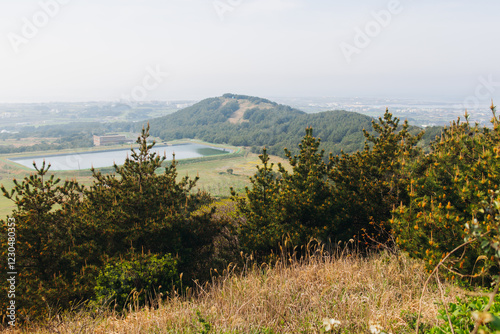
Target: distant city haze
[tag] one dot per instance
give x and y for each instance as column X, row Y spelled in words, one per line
column 131, row 50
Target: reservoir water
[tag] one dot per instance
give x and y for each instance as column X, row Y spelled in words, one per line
column 85, row 160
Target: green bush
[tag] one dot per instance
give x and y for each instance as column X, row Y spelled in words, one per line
column 463, row 314
column 55, row 256
column 369, row 183
column 139, row 279
column 351, row 195
column 226, row 246
column 66, row 233
column 148, row 207
column 297, row 205
column 448, row 188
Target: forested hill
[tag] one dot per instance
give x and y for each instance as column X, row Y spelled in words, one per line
column 233, row 119
column 251, row 121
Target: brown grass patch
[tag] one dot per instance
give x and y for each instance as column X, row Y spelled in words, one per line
column 237, row 116
column 290, row 296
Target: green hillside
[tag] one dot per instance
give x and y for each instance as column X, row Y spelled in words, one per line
column 251, row 121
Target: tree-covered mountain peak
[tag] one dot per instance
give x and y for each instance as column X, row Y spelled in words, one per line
column 234, row 109
column 255, row 122
column 242, row 120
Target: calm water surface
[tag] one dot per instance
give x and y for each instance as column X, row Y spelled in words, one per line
column 75, row 161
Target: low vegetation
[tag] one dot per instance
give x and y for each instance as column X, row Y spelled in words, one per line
column 289, row 295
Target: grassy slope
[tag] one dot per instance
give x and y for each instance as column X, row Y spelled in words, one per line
column 214, row 177
column 290, row 297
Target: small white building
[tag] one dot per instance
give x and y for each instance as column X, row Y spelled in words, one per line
column 110, row 140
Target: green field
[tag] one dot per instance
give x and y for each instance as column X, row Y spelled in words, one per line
column 213, row 173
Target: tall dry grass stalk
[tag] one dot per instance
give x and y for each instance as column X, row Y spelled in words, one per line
column 289, row 296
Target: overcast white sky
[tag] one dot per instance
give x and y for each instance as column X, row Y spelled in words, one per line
column 100, row 50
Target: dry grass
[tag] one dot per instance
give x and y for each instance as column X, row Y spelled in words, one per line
column 237, row 116
column 290, row 296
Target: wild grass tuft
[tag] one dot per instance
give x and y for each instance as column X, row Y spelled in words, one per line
column 288, row 295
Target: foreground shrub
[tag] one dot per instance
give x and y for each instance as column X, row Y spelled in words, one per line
column 367, row 184
column 297, row 204
column 448, row 189
column 146, row 206
column 350, row 196
column 65, row 233
column 138, row 280
column 55, row 257
column 226, row 246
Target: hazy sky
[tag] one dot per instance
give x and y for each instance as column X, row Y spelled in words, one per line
column 80, row 50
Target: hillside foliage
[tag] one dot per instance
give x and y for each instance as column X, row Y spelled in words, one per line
column 263, row 123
